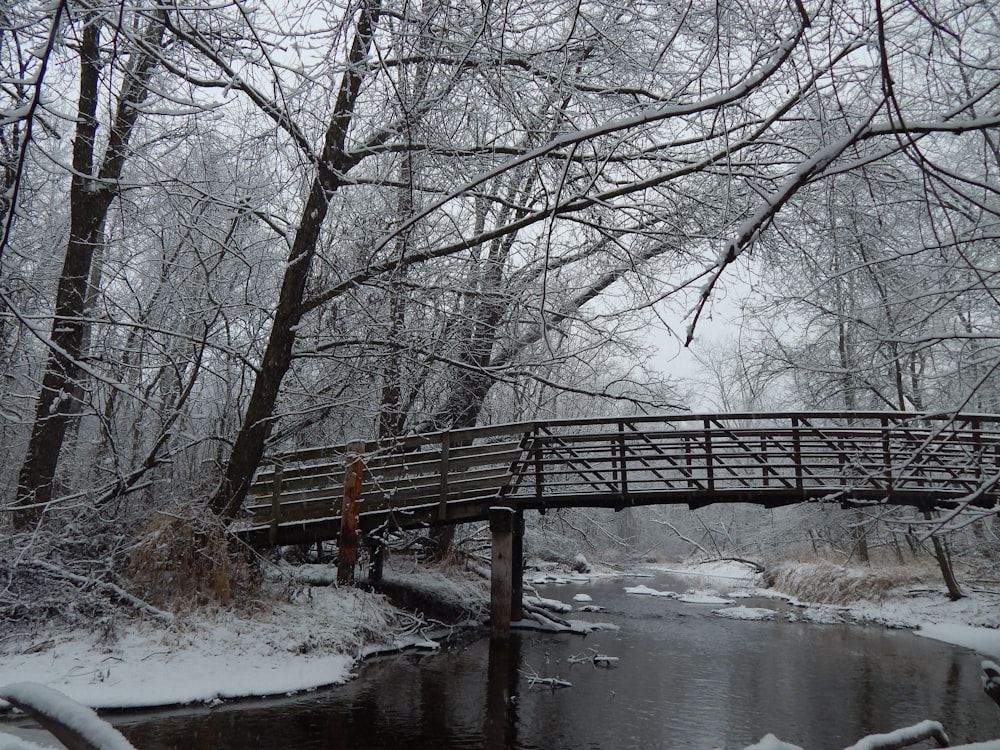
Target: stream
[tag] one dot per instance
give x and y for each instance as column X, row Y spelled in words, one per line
column 684, row 679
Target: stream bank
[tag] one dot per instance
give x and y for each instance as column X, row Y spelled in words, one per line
column 304, row 634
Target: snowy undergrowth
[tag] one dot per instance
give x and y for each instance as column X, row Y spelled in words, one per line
column 461, row 595
column 290, row 637
column 899, row 597
column 826, row 583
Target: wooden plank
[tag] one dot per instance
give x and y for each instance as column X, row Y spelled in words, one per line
column 387, row 481
column 298, row 508
column 460, row 459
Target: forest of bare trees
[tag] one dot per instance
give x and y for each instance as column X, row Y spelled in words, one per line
column 235, row 228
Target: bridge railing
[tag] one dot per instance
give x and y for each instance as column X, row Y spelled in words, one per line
column 416, row 479
column 852, row 457
column 767, row 458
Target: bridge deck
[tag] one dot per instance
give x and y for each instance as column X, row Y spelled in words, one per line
column 770, row 459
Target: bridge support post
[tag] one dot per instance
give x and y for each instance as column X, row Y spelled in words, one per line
column 517, row 567
column 347, row 542
column 502, row 523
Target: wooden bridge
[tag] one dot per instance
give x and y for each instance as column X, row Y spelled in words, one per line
column 773, row 459
column 495, row 473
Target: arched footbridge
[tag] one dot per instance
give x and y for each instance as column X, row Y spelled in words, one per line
column 495, row 473
column 772, row 459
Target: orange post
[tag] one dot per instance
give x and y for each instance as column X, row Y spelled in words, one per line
column 347, row 543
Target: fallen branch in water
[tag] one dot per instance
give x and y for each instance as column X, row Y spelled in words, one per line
column 896, row 740
column 991, row 680
column 905, row 737
column 551, row 682
column 543, row 616
column 594, row 657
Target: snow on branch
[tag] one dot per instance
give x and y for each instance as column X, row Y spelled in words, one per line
column 74, row 725
column 552, row 682
column 595, row 657
column 106, row 587
column 904, row 737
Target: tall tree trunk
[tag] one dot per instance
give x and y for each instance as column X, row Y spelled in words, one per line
column 392, row 410
column 845, row 354
column 91, row 194
column 259, row 417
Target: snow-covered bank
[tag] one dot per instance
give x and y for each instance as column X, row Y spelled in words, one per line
column 298, row 639
column 306, row 636
column 206, row 657
column 972, row 622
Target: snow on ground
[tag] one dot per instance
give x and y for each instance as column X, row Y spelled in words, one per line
column 311, row 638
column 984, row 640
column 12, row 742
column 201, row 663
column 972, row 622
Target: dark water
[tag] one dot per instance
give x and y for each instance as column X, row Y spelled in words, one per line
column 685, row 679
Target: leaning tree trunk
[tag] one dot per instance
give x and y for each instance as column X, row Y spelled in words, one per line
column 944, row 563
column 91, row 195
column 333, row 164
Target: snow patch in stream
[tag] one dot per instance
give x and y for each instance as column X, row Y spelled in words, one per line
column 689, row 597
column 745, row 613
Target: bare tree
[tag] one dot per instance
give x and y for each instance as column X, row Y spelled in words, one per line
column 94, row 186
column 469, row 206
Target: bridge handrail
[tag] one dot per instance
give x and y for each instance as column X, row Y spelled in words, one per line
column 468, row 435
column 449, row 474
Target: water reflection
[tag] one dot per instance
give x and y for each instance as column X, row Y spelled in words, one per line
column 502, row 680
column 685, row 679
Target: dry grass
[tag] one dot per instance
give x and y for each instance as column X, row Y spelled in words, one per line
column 180, row 561
column 828, row 583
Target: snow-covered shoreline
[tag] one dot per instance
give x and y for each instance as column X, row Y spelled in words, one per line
column 301, row 636
column 972, row 622
column 317, row 636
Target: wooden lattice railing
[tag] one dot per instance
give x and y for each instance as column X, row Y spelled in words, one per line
column 771, row 459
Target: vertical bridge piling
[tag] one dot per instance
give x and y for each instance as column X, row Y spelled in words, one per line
column 506, row 579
